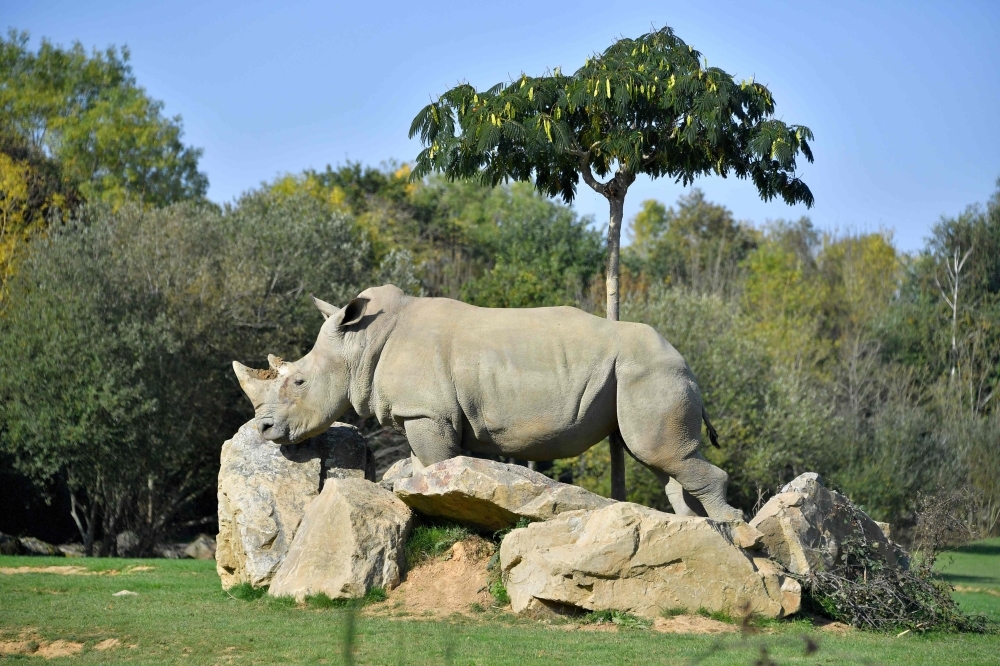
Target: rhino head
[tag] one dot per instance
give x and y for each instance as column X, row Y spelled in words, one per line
column 295, row 400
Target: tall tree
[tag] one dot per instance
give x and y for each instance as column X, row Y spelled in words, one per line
column 644, row 106
column 88, row 112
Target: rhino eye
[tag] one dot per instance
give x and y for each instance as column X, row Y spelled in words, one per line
column 300, row 382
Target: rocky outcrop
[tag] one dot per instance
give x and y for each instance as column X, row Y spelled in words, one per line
column 806, row 526
column 490, row 495
column 352, row 539
column 263, row 490
column 635, row 559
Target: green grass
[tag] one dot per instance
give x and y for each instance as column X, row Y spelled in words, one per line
column 429, row 541
column 975, row 570
column 181, row 616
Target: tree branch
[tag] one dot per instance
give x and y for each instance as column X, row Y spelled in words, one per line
column 588, row 176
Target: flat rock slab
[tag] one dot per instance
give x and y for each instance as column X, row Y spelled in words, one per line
column 263, row 490
column 631, row 558
column 806, row 526
column 490, row 495
column 352, row 539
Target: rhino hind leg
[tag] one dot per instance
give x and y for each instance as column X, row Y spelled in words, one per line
column 431, row 441
column 683, row 502
column 661, row 424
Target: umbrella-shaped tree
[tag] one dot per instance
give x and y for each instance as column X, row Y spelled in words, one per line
column 645, row 106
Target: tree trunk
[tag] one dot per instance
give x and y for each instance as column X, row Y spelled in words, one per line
column 617, row 202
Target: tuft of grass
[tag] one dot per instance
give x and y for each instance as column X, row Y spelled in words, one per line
column 674, row 612
column 498, row 590
column 279, row 603
column 623, row 620
column 477, row 607
column 322, row 601
column 430, row 541
column 246, row 592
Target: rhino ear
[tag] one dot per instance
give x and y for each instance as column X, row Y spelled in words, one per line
column 353, row 312
column 327, row 309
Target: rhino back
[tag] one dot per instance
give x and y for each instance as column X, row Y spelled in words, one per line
column 539, row 382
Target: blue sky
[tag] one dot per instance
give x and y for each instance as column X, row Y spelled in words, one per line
column 904, row 97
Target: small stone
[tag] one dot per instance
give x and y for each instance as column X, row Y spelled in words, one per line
column 125, row 593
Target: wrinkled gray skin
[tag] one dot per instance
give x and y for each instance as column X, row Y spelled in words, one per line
column 532, row 384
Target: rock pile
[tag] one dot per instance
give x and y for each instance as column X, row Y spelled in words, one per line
column 309, row 519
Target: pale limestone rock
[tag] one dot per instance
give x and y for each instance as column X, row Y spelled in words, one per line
column 489, row 494
column 635, row 559
column 804, row 527
column 352, row 538
column 263, row 490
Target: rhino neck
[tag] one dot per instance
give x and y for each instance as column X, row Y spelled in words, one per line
column 365, row 346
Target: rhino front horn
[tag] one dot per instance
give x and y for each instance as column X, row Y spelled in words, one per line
column 252, row 380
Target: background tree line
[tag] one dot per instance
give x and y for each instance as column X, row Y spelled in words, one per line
column 126, row 295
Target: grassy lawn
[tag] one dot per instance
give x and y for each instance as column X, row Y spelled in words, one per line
column 974, row 570
column 181, row 615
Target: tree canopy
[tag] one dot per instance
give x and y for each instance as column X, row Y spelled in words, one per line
column 87, row 112
column 644, row 106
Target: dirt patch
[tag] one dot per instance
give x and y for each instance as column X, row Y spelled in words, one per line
column 47, row 649
column 67, row 570
column 59, row 648
column 72, row 570
column 8, row 648
column 838, row 628
column 692, row 624
column 107, row 644
column 446, row 586
column 602, row 627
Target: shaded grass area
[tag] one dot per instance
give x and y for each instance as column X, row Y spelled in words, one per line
column 181, row 615
column 974, row 570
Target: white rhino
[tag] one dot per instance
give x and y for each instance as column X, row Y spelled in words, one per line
column 532, row 383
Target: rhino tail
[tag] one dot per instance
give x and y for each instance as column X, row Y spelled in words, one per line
column 712, row 434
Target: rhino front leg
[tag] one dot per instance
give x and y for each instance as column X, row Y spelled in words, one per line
column 431, row 441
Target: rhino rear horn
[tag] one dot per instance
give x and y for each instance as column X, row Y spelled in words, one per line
column 328, row 309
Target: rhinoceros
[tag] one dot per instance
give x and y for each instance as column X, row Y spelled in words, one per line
column 527, row 383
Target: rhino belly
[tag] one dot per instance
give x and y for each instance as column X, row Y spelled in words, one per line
column 534, row 418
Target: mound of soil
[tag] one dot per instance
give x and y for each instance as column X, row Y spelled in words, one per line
column 692, row 624
column 442, row 587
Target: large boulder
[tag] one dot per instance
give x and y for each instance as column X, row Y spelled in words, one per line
column 807, row 526
column 490, row 495
column 352, row 539
column 638, row 560
column 263, row 490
